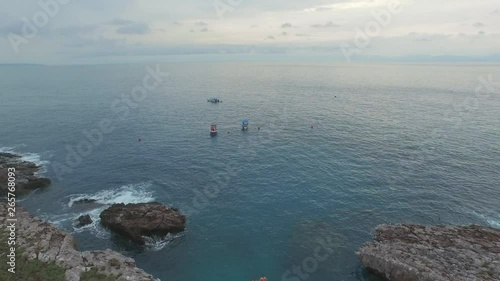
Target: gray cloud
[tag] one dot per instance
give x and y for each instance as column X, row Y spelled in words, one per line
column 116, row 48
column 322, row 9
column 118, row 21
column 134, row 28
column 423, row 39
column 78, row 29
column 105, row 43
column 326, row 25
column 77, row 26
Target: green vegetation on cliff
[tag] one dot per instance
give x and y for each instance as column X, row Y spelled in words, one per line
column 26, row 270
column 36, row 270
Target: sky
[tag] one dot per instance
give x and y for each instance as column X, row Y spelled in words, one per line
column 98, row 31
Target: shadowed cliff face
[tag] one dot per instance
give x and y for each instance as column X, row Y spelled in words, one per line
column 25, row 178
column 438, row 253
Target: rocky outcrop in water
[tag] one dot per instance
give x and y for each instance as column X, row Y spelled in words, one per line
column 144, row 219
column 437, row 253
column 25, row 175
column 84, row 220
column 85, row 201
column 40, row 240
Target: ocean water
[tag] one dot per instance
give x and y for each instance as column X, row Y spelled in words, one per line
column 390, row 143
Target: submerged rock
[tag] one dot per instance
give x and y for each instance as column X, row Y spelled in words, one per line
column 143, row 219
column 25, row 175
column 84, row 220
column 437, row 253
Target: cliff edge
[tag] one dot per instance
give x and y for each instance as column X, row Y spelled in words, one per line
column 39, row 240
column 434, row 253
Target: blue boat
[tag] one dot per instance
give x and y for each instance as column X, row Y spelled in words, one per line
column 244, row 125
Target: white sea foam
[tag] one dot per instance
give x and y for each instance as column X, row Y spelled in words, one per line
column 28, row 156
column 11, row 149
column 34, row 158
column 493, row 222
column 131, row 193
column 156, row 243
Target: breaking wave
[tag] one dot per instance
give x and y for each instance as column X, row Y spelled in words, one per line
column 156, row 243
column 493, row 222
column 29, row 156
column 131, row 193
column 98, row 202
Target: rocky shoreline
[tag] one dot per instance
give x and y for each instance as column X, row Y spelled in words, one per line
column 26, row 178
column 41, row 241
column 434, row 253
column 398, row 252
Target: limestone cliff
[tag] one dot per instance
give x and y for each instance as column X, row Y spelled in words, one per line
column 437, row 253
column 40, row 240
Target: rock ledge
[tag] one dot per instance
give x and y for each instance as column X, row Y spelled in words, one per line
column 26, row 178
column 40, row 240
column 437, row 253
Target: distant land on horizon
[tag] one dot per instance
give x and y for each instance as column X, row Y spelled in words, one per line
column 493, row 58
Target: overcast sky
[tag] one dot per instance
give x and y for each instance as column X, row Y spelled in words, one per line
column 95, row 31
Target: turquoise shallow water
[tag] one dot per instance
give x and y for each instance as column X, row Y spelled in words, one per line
column 387, row 147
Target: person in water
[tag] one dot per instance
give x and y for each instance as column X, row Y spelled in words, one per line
column 263, row 278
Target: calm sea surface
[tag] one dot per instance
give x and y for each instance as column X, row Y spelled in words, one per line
column 390, row 144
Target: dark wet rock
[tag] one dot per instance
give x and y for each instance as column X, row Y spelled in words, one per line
column 85, row 201
column 40, row 240
column 145, row 219
column 434, row 253
column 25, row 175
column 84, row 220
